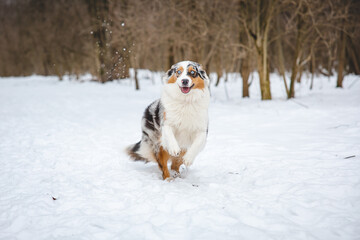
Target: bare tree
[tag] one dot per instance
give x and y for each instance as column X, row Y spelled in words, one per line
column 343, row 32
column 257, row 26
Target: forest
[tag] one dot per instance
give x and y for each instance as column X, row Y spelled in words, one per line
column 83, row 81
column 107, row 38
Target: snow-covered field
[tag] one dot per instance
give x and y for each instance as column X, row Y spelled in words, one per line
column 271, row 170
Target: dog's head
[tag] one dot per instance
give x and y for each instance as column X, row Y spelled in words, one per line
column 188, row 76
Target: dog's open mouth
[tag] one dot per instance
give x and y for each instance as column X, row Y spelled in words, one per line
column 186, row 89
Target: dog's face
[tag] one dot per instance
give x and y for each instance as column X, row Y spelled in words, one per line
column 188, row 76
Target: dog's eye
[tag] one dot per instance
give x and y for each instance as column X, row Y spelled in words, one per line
column 179, row 72
column 193, row 73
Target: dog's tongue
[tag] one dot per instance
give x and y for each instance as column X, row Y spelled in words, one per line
column 185, row 89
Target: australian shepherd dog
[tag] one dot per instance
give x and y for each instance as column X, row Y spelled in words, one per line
column 175, row 127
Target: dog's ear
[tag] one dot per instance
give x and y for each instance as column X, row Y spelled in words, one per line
column 169, row 73
column 203, row 75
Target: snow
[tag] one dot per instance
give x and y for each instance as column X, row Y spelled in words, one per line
column 280, row 169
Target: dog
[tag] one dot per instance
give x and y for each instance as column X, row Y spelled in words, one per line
column 175, row 127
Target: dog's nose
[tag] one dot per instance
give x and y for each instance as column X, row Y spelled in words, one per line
column 185, row 82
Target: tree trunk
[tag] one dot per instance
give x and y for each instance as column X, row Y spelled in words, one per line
column 137, row 86
column 171, row 56
column 219, row 71
column 99, row 11
column 261, row 41
column 312, row 67
column 125, row 66
column 281, row 56
column 341, row 56
column 102, row 53
column 350, row 50
column 264, row 78
column 245, row 73
column 296, row 59
column 292, row 81
column 218, row 75
column 300, row 71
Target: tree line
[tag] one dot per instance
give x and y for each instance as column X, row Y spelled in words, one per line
column 106, row 38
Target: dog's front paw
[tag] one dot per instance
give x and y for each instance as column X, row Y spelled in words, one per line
column 188, row 160
column 175, row 174
column 170, row 179
column 174, row 150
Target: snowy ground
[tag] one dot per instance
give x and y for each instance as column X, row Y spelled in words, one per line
column 271, row 170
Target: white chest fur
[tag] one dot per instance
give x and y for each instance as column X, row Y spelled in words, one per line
column 187, row 115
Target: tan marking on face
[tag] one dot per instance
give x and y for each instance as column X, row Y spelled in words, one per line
column 172, row 79
column 175, row 75
column 179, row 69
column 164, row 116
column 198, row 82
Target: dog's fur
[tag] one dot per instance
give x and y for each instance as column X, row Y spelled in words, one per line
column 175, row 126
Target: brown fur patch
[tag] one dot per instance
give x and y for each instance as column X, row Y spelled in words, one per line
column 176, row 71
column 164, row 116
column 175, row 75
column 172, row 79
column 197, row 81
column 162, row 158
column 177, row 161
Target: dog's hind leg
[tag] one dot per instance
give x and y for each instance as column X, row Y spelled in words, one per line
column 162, row 159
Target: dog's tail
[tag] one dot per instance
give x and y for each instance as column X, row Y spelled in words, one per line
column 133, row 152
